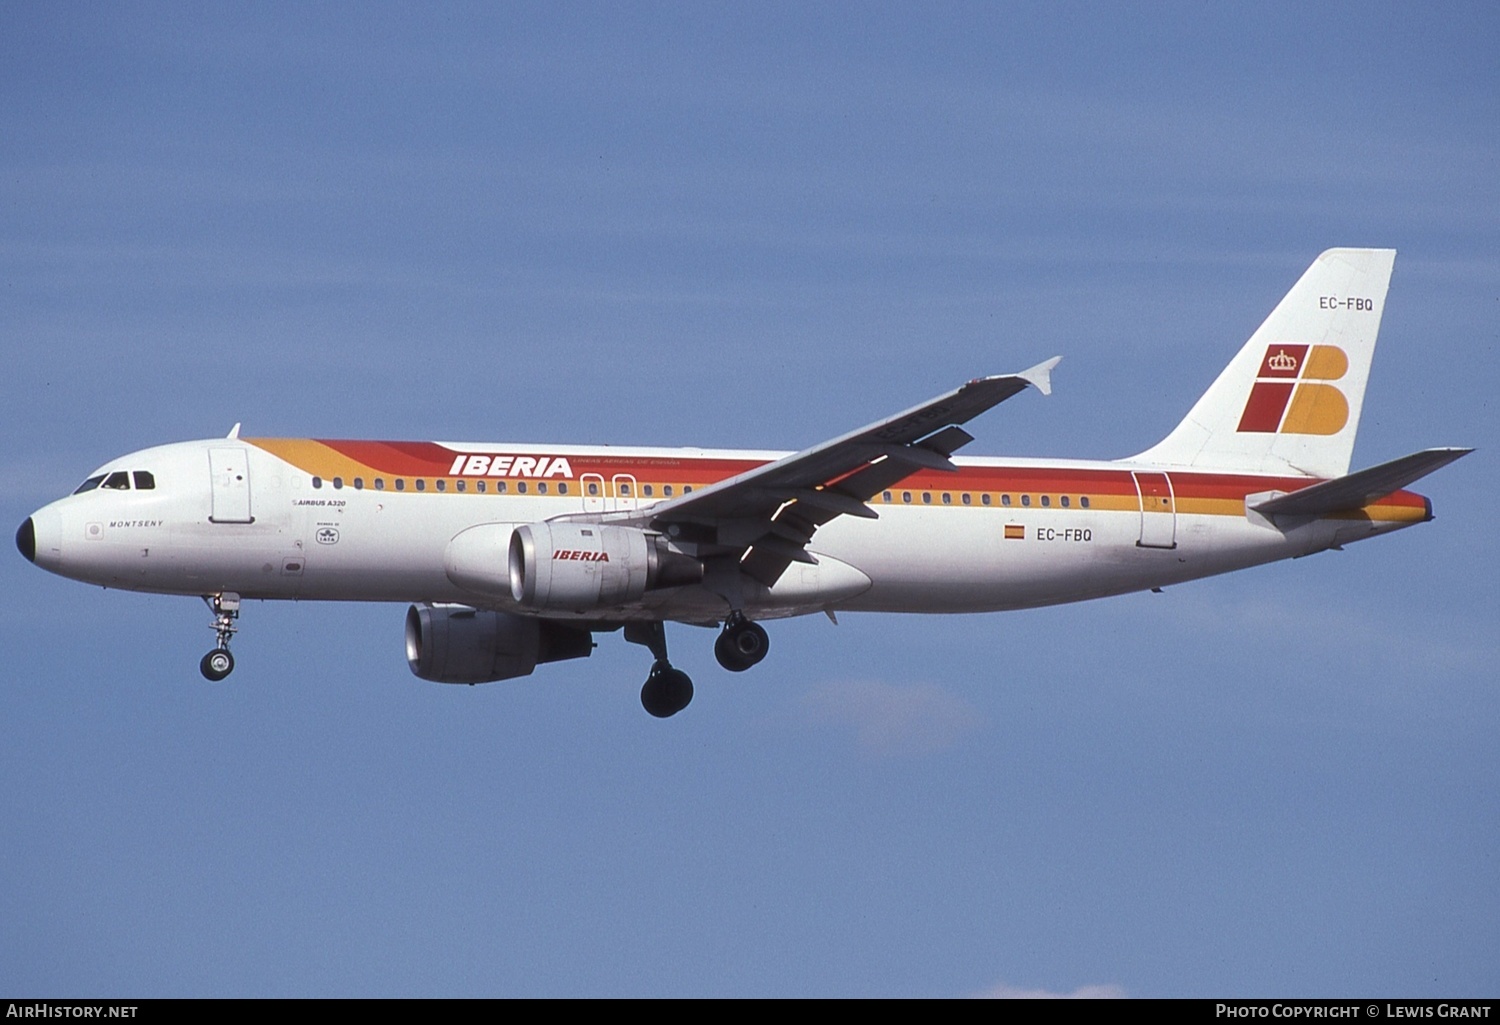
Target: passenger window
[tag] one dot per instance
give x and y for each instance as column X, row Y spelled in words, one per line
column 562, row 488
column 1046, row 500
column 1065, row 501
column 442, row 485
column 338, row 482
column 927, row 498
column 90, row 484
column 966, row 498
column 117, row 481
column 421, row 484
column 499, row 487
column 593, row 488
column 646, row 490
column 462, row 485
column 479, row 486
column 144, row 481
column 906, row 497
column 359, row 483
column 625, row 489
column 1025, row 499
column 541, row 487
column 1005, row 500
column 886, row 497
column 317, row 482
column 686, row 488
column 379, row 483
column 947, row 498
column 666, row 490
column 400, row 483
column 1084, row 501
column 520, row 487
column 985, row 499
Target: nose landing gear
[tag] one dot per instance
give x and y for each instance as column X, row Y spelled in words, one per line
column 219, row 663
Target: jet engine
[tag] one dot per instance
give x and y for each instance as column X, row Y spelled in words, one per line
column 459, row 644
column 582, row 566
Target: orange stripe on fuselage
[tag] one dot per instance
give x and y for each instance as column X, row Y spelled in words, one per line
column 316, row 458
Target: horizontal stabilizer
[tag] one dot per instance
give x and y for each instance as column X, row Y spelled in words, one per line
column 1358, row 490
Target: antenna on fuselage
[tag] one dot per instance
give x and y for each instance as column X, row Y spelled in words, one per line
column 234, row 432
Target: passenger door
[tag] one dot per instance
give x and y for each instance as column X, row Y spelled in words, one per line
column 1158, row 510
column 229, row 477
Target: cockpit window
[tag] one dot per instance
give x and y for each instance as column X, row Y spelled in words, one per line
column 145, row 480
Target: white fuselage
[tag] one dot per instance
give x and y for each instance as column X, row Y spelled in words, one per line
column 943, row 542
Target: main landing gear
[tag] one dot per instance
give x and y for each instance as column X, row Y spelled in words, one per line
column 742, row 643
column 667, row 691
column 219, row 663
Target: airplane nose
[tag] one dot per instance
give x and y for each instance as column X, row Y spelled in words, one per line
column 40, row 538
column 26, row 539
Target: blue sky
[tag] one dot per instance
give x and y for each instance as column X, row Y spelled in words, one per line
column 756, row 226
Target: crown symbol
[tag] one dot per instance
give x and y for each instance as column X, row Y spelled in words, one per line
column 1282, row 361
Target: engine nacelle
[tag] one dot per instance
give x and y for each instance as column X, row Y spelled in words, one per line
column 459, row 644
column 581, row 566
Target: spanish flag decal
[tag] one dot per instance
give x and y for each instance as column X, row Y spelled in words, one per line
column 1288, row 396
column 1015, row 532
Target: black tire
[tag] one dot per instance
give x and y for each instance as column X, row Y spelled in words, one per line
column 216, row 665
column 741, row 646
column 667, row 691
column 729, row 658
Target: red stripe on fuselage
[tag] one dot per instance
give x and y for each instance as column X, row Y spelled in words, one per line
column 397, row 458
column 429, row 459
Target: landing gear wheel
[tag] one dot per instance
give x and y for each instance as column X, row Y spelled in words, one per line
column 741, row 645
column 667, row 691
column 216, row 665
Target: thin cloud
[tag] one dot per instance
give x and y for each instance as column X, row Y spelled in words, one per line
column 894, row 720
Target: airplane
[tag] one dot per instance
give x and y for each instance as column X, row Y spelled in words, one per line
column 513, row 556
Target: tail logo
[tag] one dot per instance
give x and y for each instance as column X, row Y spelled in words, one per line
column 1288, row 396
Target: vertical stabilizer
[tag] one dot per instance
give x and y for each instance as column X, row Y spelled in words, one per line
column 1290, row 401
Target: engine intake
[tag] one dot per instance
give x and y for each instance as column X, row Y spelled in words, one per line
column 459, row 644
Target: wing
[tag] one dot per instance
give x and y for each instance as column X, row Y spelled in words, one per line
column 764, row 518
